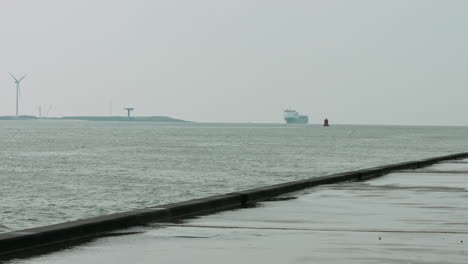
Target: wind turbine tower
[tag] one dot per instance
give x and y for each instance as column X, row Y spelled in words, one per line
column 18, row 91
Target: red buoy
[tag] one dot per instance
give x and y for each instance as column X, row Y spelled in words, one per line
column 325, row 122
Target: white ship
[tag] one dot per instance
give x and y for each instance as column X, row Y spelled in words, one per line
column 293, row 117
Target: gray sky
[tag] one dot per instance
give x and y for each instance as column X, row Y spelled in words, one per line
column 360, row 61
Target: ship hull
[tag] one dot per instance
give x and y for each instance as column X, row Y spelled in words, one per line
column 304, row 120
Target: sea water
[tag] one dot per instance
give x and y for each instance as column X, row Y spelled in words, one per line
column 57, row 171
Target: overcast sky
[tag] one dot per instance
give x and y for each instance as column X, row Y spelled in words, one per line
column 360, row 61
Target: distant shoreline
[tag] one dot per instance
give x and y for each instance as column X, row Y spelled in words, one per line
column 99, row 118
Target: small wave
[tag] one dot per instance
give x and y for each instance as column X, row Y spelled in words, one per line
column 4, row 228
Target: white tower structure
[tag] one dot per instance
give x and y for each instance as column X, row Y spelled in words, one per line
column 129, row 110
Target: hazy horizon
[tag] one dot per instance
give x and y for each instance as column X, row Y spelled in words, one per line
column 354, row 62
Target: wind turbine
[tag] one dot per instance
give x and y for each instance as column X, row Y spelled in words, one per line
column 18, row 90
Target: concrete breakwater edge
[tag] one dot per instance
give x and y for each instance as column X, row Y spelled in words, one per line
column 43, row 239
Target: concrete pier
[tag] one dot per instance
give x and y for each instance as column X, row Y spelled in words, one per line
column 408, row 217
column 327, row 215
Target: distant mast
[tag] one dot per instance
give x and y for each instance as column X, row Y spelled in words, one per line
column 325, row 122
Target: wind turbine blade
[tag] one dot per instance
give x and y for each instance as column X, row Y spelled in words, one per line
column 13, row 77
column 22, row 77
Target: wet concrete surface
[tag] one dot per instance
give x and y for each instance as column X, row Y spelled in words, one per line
column 416, row 216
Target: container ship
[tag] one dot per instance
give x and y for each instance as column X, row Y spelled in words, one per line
column 293, row 117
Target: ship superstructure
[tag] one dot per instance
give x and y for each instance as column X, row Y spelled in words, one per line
column 293, row 117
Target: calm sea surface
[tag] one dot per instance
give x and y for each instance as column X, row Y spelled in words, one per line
column 56, row 171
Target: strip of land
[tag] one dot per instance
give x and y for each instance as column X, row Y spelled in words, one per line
column 99, row 118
